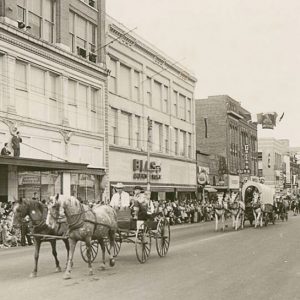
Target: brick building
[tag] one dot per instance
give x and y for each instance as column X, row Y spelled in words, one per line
column 225, row 130
column 53, row 90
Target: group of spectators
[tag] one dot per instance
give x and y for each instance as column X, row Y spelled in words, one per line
column 9, row 235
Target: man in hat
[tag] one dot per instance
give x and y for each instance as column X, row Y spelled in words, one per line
column 120, row 200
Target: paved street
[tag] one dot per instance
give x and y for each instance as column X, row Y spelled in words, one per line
column 201, row 264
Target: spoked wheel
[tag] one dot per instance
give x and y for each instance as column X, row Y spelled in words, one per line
column 94, row 250
column 143, row 243
column 117, row 244
column 162, row 237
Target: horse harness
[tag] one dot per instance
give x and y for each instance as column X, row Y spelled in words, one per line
column 79, row 221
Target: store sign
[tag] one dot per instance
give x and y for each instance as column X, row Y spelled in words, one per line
column 246, row 156
column 233, row 182
column 202, row 176
column 31, row 180
column 140, row 169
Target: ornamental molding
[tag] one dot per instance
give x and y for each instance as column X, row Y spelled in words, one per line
column 13, row 126
column 130, row 41
column 66, row 135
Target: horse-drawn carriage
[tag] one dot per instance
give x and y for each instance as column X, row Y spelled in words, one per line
column 259, row 203
column 137, row 232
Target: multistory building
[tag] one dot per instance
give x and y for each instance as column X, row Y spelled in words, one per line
column 145, row 83
column 225, row 131
column 53, row 91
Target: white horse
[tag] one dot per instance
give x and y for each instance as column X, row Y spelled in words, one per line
column 219, row 208
column 257, row 210
column 237, row 211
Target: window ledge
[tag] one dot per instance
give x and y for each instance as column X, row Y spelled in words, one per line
column 95, row 9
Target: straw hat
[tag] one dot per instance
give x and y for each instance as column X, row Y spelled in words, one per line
column 119, row 185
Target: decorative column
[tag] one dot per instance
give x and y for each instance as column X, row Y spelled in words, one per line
column 9, row 65
column 12, row 183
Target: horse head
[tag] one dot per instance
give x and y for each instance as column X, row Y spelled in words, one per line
column 31, row 208
column 56, row 213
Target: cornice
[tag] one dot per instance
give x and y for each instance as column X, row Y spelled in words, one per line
column 157, row 58
column 49, row 51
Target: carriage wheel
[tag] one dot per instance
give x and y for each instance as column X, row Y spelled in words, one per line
column 162, row 237
column 117, row 244
column 143, row 243
column 94, row 250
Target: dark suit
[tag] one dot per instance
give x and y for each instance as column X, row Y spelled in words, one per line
column 16, row 140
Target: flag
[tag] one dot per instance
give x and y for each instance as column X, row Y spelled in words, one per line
column 267, row 120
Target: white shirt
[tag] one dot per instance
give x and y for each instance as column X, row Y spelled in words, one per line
column 120, row 200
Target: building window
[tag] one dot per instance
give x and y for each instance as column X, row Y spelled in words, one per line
column 182, row 108
column 182, row 143
column 37, row 80
column 166, row 137
column 165, row 103
column 83, row 37
column 40, row 16
column 112, row 81
column 189, row 145
column 94, row 97
column 124, row 82
column 148, row 88
column 114, row 126
column 137, row 130
column 53, row 78
column 21, row 76
column 156, row 101
column 72, row 89
column 92, row 3
column 176, row 141
column 175, row 106
column 136, row 85
column 157, row 137
column 189, row 109
column 85, row 187
column 125, row 129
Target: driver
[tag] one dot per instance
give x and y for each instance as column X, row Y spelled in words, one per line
column 120, row 200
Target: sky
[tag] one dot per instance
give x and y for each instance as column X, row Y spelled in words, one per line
column 247, row 49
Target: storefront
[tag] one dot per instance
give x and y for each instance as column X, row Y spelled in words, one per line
column 170, row 179
column 22, row 177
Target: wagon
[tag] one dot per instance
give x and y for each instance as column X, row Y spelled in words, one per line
column 140, row 233
column 267, row 200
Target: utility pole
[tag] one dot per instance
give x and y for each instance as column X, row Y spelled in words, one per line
column 148, row 151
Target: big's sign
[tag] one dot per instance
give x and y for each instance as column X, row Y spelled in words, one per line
column 140, row 169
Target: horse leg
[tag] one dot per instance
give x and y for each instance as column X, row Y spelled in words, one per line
column 67, row 245
column 216, row 217
column 89, row 254
column 223, row 221
column 112, row 236
column 236, row 221
column 102, row 245
column 37, row 245
column 54, row 253
column 67, row 274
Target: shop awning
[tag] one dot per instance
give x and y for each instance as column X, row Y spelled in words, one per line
column 33, row 164
column 186, row 188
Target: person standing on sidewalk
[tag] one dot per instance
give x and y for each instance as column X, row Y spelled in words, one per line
column 15, row 141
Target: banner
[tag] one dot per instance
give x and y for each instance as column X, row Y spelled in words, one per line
column 267, row 120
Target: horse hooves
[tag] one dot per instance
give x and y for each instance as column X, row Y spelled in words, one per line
column 58, row 269
column 102, row 267
column 67, row 276
column 112, row 262
column 91, row 273
column 33, row 274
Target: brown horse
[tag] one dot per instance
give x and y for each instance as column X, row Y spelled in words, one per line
column 37, row 213
column 86, row 224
